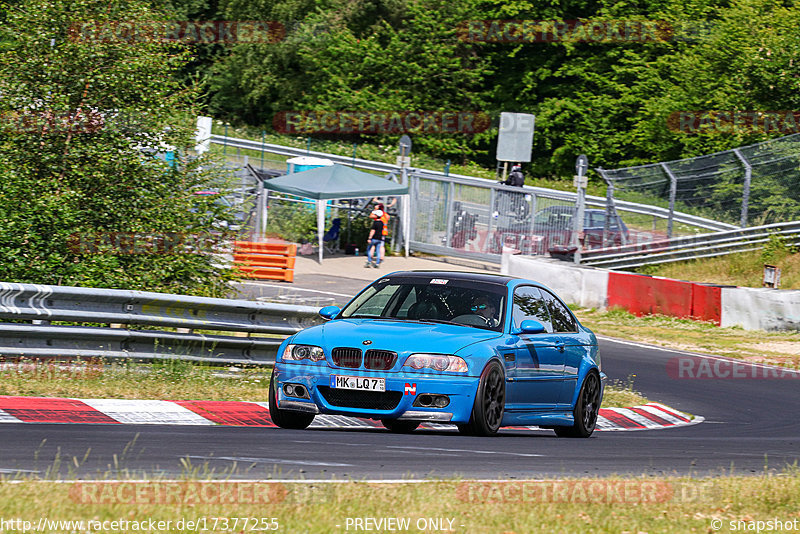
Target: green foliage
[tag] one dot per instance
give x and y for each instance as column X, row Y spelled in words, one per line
column 611, row 101
column 292, row 221
column 777, row 248
column 82, row 122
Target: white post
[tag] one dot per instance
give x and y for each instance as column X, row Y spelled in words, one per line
column 320, row 224
column 406, row 223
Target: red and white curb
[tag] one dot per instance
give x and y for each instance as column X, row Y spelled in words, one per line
column 235, row 413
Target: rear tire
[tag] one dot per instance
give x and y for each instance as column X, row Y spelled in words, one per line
column 490, row 403
column 400, row 427
column 286, row 418
column 586, row 410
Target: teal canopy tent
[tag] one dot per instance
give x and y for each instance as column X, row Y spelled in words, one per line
column 337, row 181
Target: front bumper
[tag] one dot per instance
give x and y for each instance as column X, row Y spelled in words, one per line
column 402, row 389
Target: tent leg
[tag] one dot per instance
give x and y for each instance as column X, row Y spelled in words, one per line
column 320, row 224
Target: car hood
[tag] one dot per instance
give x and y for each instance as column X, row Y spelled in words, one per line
column 394, row 335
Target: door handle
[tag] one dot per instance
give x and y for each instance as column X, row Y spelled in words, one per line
column 560, row 346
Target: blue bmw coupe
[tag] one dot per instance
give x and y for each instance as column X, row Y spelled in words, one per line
column 480, row 351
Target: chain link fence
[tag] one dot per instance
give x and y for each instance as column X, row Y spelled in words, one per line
column 480, row 220
column 748, row 186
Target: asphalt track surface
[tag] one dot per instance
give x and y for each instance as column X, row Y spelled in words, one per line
column 750, row 424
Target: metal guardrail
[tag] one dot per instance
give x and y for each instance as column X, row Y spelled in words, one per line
column 691, row 247
column 644, row 209
column 35, row 307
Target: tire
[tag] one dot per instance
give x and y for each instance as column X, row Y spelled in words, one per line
column 286, row 418
column 490, row 400
column 400, row 427
column 586, row 409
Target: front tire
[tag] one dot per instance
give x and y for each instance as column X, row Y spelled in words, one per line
column 490, row 403
column 587, row 407
column 286, row 418
column 400, row 427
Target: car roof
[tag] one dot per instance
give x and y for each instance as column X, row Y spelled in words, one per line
column 455, row 275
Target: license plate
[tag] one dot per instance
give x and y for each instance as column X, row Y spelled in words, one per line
column 362, row 383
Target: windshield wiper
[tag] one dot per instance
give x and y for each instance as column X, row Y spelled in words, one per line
column 439, row 321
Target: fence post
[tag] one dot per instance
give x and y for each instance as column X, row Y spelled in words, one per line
column 609, row 203
column 748, row 173
column 448, row 231
column 489, row 229
column 260, row 222
column 673, row 188
column 263, row 138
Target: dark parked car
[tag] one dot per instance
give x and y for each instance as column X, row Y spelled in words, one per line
column 552, row 232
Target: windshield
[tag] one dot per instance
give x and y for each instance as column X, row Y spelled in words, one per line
column 558, row 218
column 462, row 302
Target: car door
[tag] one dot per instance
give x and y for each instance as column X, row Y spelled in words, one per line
column 565, row 327
column 534, row 362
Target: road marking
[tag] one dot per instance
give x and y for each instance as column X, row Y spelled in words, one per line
column 251, row 460
column 461, row 450
column 302, row 289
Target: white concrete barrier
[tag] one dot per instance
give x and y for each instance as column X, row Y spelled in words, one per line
column 748, row 308
column 585, row 286
column 760, row 309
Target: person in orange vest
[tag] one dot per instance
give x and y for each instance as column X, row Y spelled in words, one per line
column 385, row 220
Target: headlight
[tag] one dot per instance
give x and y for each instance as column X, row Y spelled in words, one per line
column 303, row 352
column 437, row 362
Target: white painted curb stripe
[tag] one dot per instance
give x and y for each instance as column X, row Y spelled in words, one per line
column 146, row 412
column 633, row 416
column 662, row 414
column 6, row 417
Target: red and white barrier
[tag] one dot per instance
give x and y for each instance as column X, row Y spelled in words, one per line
column 749, row 308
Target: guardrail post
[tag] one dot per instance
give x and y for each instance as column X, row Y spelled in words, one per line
column 748, row 173
column 673, row 188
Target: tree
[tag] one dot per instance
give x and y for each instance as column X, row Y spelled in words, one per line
column 86, row 110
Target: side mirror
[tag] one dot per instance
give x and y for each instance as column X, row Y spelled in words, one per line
column 329, row 312
column 529, row 326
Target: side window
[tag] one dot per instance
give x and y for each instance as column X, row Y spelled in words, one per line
column 598, row 220
column 562, row 318
column 410, row 299
column 528, row 304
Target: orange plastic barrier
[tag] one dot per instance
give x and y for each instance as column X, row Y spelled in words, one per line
column 265, row 261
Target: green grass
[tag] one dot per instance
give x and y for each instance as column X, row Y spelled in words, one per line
column 165, row 379
column 613, row 504
column 171, row 380
column 744, row 269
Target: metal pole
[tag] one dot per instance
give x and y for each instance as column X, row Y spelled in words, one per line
column 449, row 217
column 673, row 187
column 489, row 236
column 578, row 226
column 260, row 211
column 748, row 173
column 263, row 136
